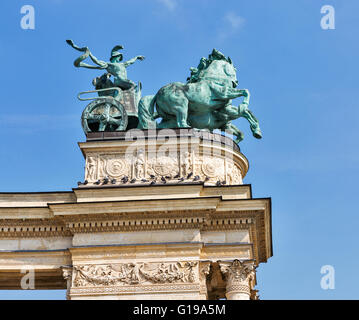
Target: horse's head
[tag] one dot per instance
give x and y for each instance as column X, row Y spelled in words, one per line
column 220, row 71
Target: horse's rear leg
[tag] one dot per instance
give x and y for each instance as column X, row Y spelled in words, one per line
column 232, row 129
column 253, row 122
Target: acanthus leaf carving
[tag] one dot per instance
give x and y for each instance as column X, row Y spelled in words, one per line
column 238, row 274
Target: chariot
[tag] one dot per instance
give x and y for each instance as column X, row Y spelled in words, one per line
column 204, row 102
column 114, row 109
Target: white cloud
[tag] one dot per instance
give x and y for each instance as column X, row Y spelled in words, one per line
column 234, row 20
column 232, row 24
column 169, row 4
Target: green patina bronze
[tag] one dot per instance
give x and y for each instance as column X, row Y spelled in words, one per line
column 115, row 67
column 204, row 102
column 111, row 110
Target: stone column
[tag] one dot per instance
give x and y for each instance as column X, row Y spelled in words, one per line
column 204, row 271
column 67, row 274
column 239, row 277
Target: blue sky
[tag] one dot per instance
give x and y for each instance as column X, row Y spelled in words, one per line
column 304, row 91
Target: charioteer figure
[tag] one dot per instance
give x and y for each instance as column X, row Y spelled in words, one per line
column 114, row 109
column 114, row 67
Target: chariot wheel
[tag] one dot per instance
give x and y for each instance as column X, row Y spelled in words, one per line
column 104, row 114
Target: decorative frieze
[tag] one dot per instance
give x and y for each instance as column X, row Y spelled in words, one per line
column 135, row 274
column 159, row 222
column 143, row 167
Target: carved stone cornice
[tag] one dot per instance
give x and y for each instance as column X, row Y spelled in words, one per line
column 68, row 226
column 159, row 223
column 10, row 228
column 130, row 289
column 208, row 213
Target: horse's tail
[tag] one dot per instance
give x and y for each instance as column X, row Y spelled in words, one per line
column 146, row 112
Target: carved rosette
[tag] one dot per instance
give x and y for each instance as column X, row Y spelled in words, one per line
column 213, row 168
column 134, row 274
column 115, row 167
column 164, row 166
column 239, row 277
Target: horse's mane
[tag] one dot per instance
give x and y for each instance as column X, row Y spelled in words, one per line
column 214, row 56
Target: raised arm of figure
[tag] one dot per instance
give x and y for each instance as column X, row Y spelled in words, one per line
column 133, row 60
column 100, row 63
column 87, row 53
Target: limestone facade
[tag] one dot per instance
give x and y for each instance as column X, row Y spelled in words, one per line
column 154, row 218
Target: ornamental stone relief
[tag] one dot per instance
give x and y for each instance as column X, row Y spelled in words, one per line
column 164, row 166
column 91, row 169
column 139, row 165
column 116, row 167
column 234, row 175
column 175, row 168
column 213, row 167
column 134, row 274
column 186, row 163
column 239, row 275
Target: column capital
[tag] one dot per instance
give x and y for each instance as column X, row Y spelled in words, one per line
column 66, row 272
column 67, row 275
column 240, row 276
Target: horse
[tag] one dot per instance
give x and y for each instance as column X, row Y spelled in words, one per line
column 202, row 103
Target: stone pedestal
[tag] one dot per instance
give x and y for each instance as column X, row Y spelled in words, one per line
column 159, row 215
column 162, row 156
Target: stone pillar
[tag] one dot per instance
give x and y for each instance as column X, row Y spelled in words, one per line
column 204, row 271
column 67, row 274
column 239, row 277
